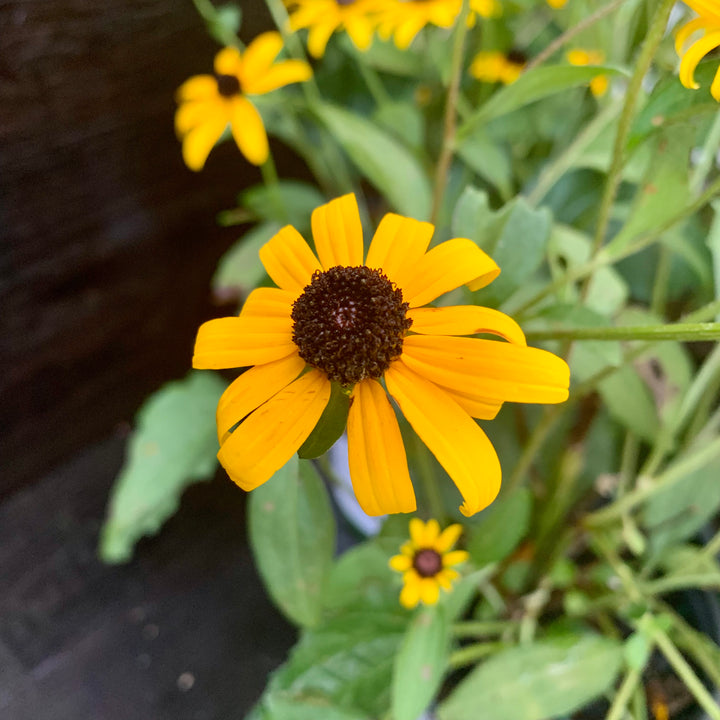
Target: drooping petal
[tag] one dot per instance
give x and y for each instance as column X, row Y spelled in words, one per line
column 429, row 591
column 198, row 87
column 715, row 86
column 268, row 302
column 318, row 37
column 460, row 446
column 686, row 31
column 490, row 369
column 233, row 342
column 406, row 31
column 448, row 266
column 448, row 537
column 254, row 387
column 465, row 320
column 258, row 57
column 400, row 563
column 228, row 62
column 695, row 53
column 198, row 143
column 288, row 260
column 248, row 130
column 337, row 233
column 398, row 245
column 360, row 30
column 378, row 464
column 268, row 438
column 190, row 115
column 279, row 75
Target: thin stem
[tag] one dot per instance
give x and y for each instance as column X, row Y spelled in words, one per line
column 707, row 158
column 685, row 332
column 481, row 628
column 470, row 653
column 713, row 547
column 270, row 178
column 623, row 695
column 450, row 122
column 682, row 582
column 569, row 34
column 372, row 80
column 660, row 284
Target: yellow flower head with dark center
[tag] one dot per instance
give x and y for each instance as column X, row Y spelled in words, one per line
column 427, row 562
column 708, row 25
column 599, row 84
column 209, row 103
column 493, row 66
column 334, row 318
column 402, row 20
column 324, row 17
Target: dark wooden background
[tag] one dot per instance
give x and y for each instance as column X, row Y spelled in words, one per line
column 107, row 241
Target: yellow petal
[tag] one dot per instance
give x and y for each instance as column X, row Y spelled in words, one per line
column 378, row 464
column 475, row 405
column 360, row 30
column 198, row 143
column 686, row 31
column 465, row 320
column 417, row 532
column 233, row 342
column 191, row 114
column 715, row 87
column 707, row 8
column 268, row 302
column 258, row 57
column 431, row 534
column 269, row 437
column 429, row 591
column 228, row 62
column 198, row 87
column 460, row 446
column 400, row 563
column 489, row 369
column 406, row 31
column 448, row 537
column 445, row 578
column 448, row 266
column 410, row 594
column 254, row 387
column 318, row 37
column 337, row 233
column 398, row 245
column 288, row 260
column 455, row 558
column 578, row 57
column 248, row 130
column 599, row 85
column 696, row 52
column 279, row 75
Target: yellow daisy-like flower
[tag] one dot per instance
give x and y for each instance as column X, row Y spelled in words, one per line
column 209, row 103
column 599, row 84
column 335, row 319
column 404, row 19
column 324, row 17
column 709, row 25
column 427, row 562
column 493, row 66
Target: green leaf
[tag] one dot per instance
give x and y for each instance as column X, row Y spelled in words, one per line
column 240, row 269
column 173, row 445
column 472, row 214
column 537, row 84
column 420, row 663
column 330, row 426
column 489, row 160
column 280, row 706
column 404, row 121
column 546, row 679
column 391, row 168
column 292, row 535
column 291, row 202
column 501, row 527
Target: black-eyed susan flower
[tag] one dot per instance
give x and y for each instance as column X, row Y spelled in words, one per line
column 427, row 562
column 493, row 66
column 324, row 17
column 334, row 319
column 402, row 20
column 708, row 25
column 578, row 56
column 209, row 103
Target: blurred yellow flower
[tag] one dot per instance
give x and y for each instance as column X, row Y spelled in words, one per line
column 557, row 4
column 333, row 319
column 324, row 17
column 209, row 103
column 599, row 84
column 493, row 66
column 709, row 25
column 402, row 20
column 485, row 9
column 427, row 562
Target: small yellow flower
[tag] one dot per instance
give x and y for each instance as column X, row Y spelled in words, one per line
column 709, row 25
column 335, row 319
column 324, row 17
column 557, row 4
column 427, row 561
column 599, row 84
column 493, row 66
column 209, row 103
column 404, row 19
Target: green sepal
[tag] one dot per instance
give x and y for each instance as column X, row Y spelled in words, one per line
column 330, row 426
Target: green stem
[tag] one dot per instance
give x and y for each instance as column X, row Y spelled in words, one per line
column 707, row 157
column 681, row 582
column 623, row 695
column 450, row 122
column 372, row 80
column 712, row 549
column 481, row 628
column 685, row 673
column 270, row 178
column 684, row 332
column 661, row 282
column 470, row 653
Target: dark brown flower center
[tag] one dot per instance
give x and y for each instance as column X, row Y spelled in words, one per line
column 228, row 85
column 350, row 322
column 427, row 562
